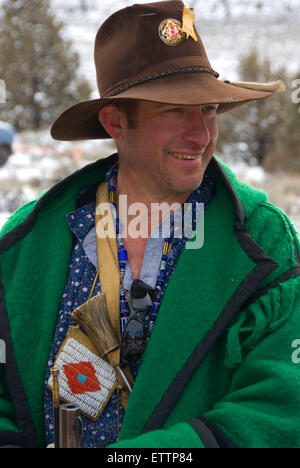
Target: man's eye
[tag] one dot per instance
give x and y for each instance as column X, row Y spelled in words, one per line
column 210, row 108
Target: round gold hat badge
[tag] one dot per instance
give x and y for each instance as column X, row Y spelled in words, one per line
column 170, row 32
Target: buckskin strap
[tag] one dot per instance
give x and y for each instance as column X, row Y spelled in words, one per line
column 107, row 253
column 109, row 272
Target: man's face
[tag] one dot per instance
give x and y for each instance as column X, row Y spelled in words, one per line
column 168, row 150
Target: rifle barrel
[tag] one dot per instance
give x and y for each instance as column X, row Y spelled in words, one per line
column 55, row 395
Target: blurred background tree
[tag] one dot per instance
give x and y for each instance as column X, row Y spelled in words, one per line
column 264, row 132
column 286, row 153
column 38, row 65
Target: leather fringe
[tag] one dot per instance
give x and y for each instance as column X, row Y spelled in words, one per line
column 274, row 86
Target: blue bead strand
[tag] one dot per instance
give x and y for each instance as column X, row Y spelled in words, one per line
column 123, row 259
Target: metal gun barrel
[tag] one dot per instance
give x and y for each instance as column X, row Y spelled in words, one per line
column 55, row 395
column 70, row 426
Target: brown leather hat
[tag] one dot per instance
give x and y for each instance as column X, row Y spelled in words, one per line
column 142, row 52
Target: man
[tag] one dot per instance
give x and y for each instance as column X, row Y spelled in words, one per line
column 205, row 334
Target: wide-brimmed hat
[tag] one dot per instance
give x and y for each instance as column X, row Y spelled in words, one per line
column 153, row 52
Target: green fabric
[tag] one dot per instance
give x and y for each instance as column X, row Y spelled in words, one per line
column 262, row 404
column 181, row 435
column 34, row 306
column 247, row 384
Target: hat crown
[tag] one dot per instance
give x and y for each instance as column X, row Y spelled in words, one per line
column 128, row 46
column 141, row 55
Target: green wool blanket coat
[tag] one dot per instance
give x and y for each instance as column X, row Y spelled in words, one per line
column 221, row 368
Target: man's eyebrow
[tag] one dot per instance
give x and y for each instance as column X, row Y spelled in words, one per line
column 162, row 104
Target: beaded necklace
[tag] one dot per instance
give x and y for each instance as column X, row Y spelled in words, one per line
column 123, row 260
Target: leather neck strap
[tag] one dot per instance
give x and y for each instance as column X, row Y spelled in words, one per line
column 107, row 253
column 109, row 272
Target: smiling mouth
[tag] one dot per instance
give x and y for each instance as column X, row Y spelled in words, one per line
column 183, row 156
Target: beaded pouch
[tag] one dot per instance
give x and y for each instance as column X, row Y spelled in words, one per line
column 85, row 380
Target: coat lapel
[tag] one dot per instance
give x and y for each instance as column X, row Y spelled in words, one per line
column 207, row 289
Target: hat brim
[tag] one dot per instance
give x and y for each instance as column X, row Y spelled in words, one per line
column 80, row 121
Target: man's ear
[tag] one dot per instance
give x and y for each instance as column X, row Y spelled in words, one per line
column 112, row 120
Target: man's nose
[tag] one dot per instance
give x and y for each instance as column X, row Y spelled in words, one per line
column 196, row 130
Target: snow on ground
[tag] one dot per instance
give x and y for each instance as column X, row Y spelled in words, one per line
column 3, row 218
column 38, row 163
column 228, row 33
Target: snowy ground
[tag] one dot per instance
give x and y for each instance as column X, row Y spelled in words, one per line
column 38, row 163
column 275, row 36
column 228, row 33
